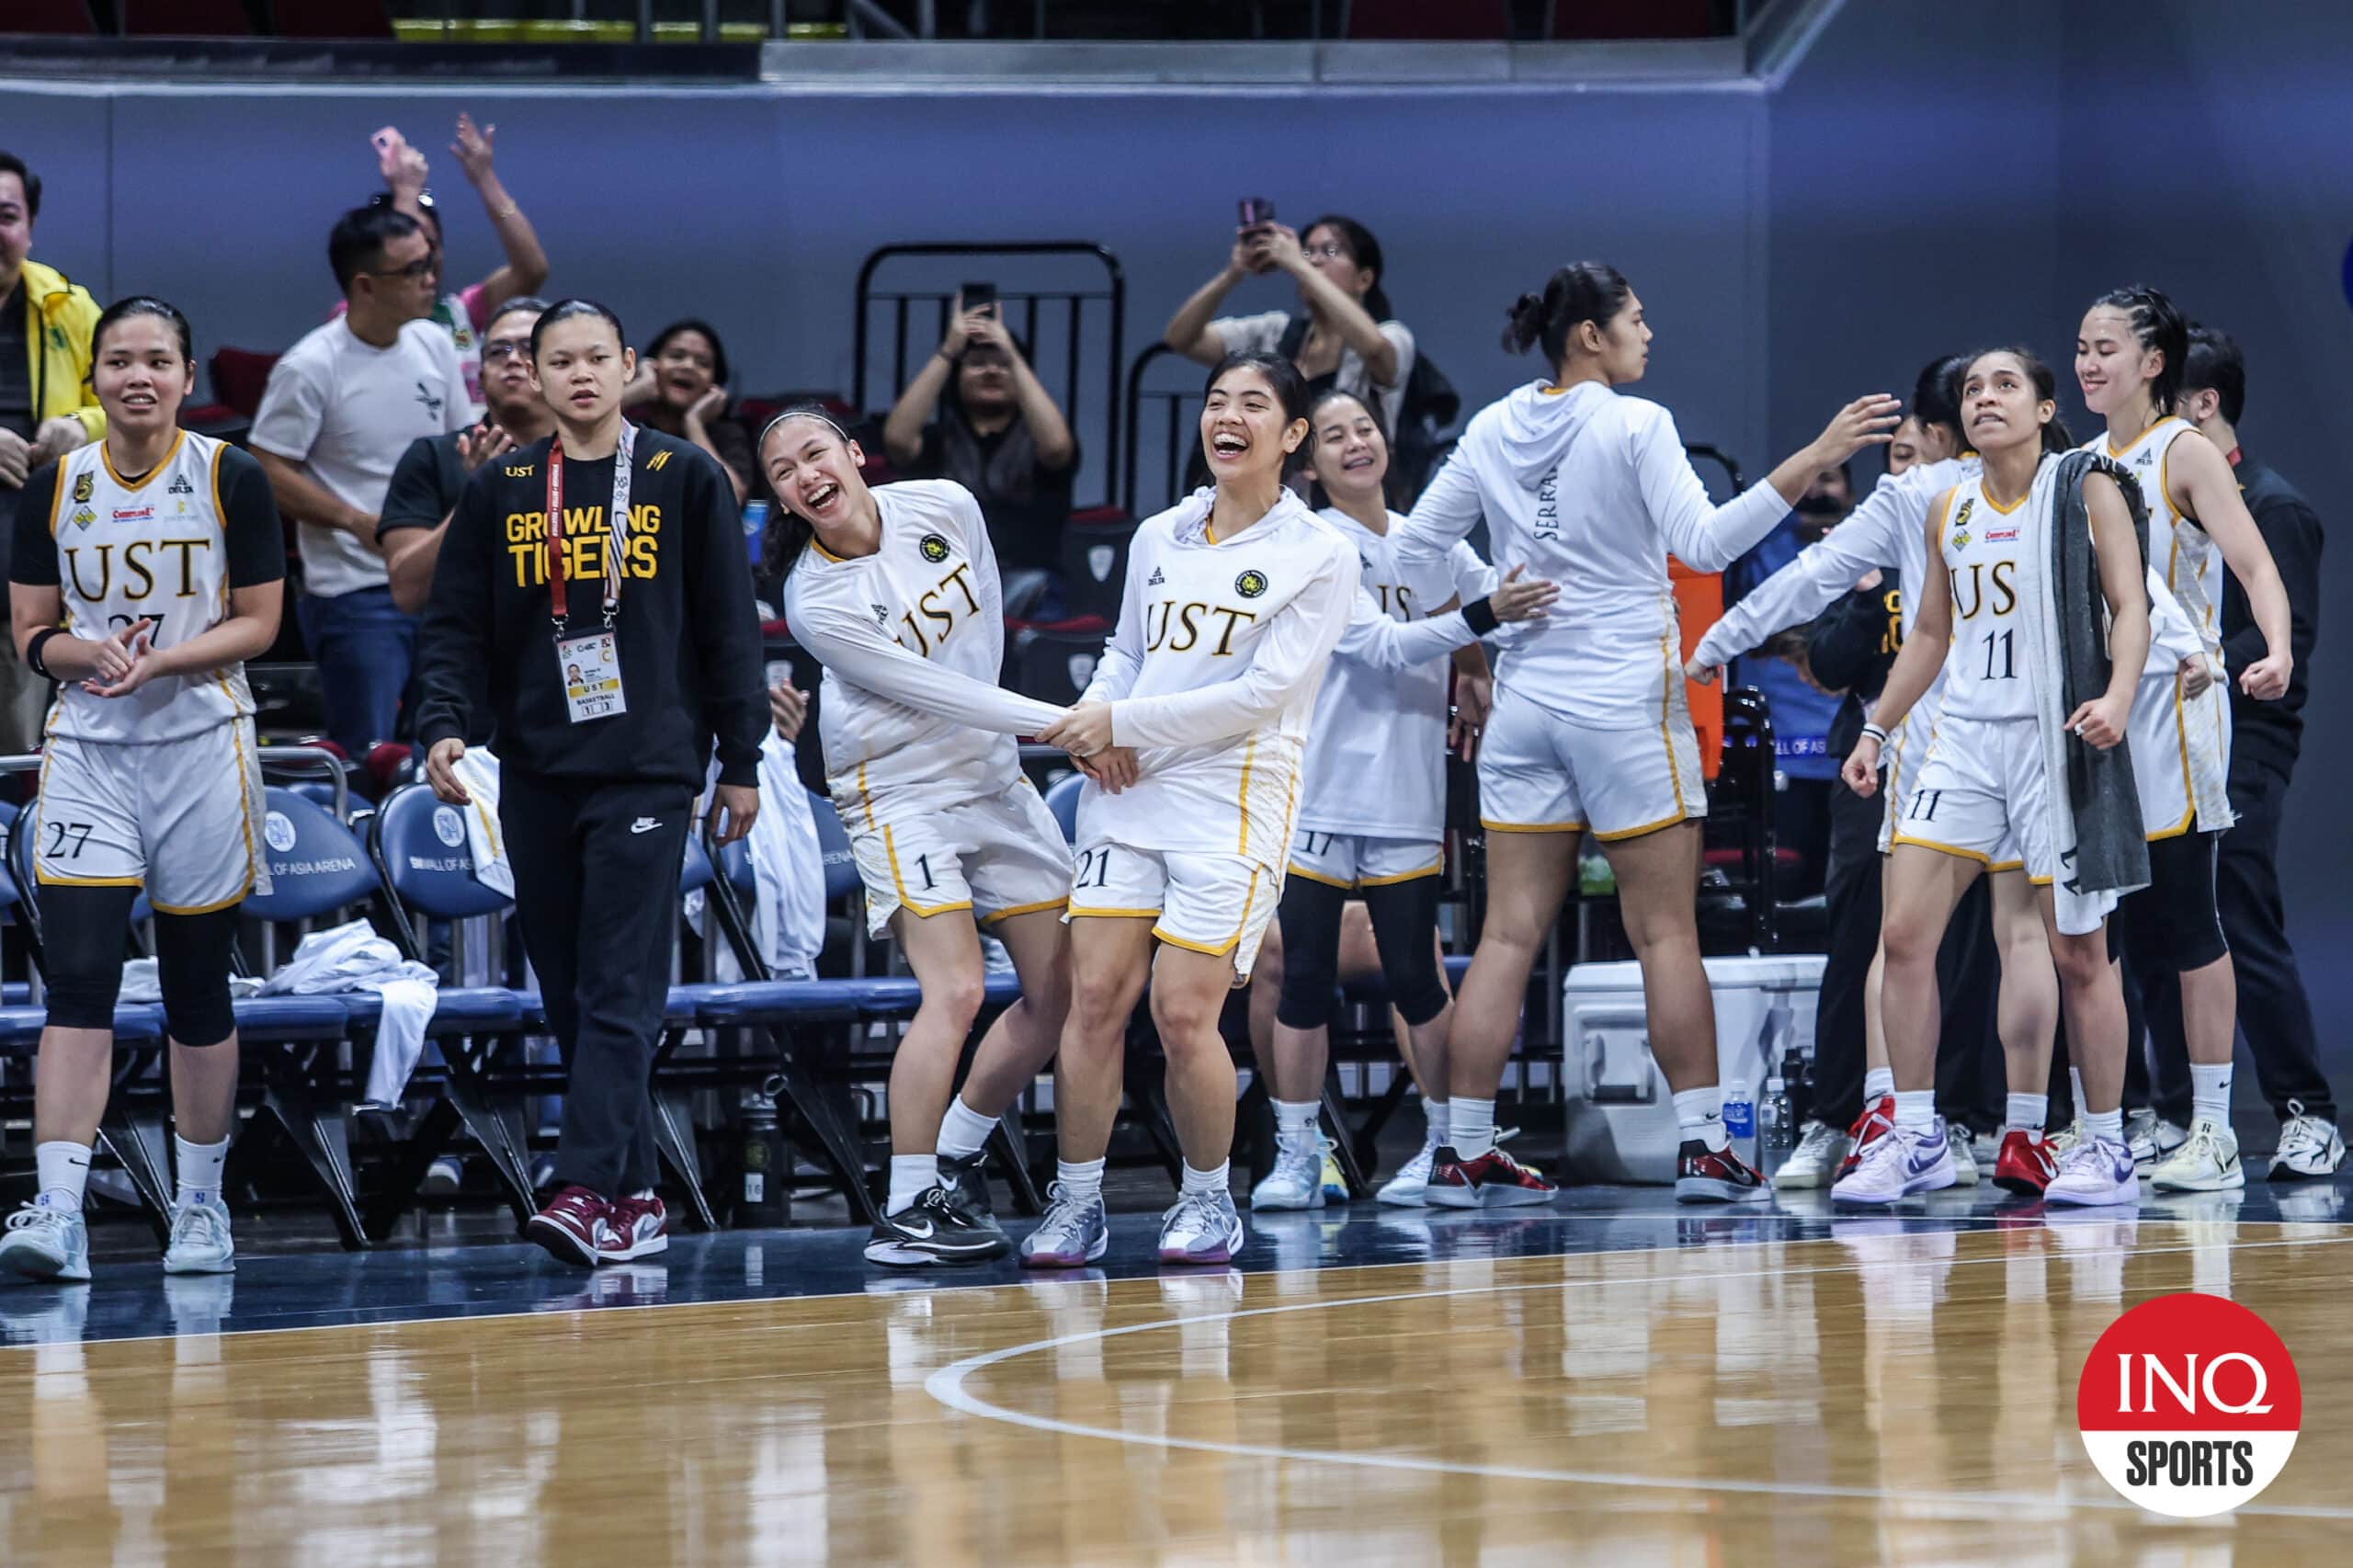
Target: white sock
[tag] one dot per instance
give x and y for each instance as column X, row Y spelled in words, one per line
column 1699, row 1113
column 911, row 1177
column 200, row 1169
column 1433, row 1121
column 1915, row 1110
column 64, row 1170
column 1080, row 1179
column 2075, row 1088
column 1294, row 1120
column 2209, row 1093
column 1218, row 1179
column 2027, row 1113
column 1470, row 1126
column 1878, row 1084
column 2108, row 1124
column 963, row 1131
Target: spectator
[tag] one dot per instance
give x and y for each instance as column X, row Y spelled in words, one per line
column 45, row 323
column 466, row 313
column 1802, row 712
column 680, row 389
column 341, row 407
column 431, row 474
column 1000, row 436
column 1348, row 340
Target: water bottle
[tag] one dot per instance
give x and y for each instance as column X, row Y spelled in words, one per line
column 767, row 1167
column 1773, row 1126
column 755, row 528
column 1740, row 1120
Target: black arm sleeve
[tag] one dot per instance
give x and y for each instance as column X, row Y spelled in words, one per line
column 32, row 557
column 726, row 629
column 2291, row 531
column 256, row 543
column 455, row 638
column 1852, row 644
column 414, row 497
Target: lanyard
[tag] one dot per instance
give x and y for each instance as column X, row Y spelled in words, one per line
column 559, row 601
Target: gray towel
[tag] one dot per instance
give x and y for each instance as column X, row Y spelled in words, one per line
column 2110, row 854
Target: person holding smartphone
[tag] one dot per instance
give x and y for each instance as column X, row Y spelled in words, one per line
column 1344, row 338
column 998, row 433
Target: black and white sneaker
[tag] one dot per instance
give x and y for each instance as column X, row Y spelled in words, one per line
column 931, row 1230
column 966, row 1181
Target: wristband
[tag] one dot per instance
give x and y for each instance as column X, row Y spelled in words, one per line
column 1875, row 732
column 1480, row 615
column 33, row 647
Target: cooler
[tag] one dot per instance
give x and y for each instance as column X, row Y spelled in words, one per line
column 1621, row 1112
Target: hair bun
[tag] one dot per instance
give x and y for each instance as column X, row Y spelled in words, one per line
column 1526, row 318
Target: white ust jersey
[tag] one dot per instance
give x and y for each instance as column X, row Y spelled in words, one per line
column 1211, row 675
column 1376, row 751
column 2179, row 551
column 1589, row 489
column 912, row 638
column 1983, row 544
column 156, row 550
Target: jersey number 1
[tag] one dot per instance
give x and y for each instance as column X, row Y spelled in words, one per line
column 2009, row 669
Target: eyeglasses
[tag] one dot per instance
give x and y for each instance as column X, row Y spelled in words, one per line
column 498, row 353
column 1328, row 251
column 415, row 271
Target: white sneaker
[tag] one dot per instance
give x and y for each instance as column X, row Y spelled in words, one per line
column 2096, row 1171
column 2208, row 1161
column 2066, row 1139
column 1815, row 1163
column 1964, row 1158
column 1297, row 1180
column 1405, row 1189
column 200, row 1243
column 45, row 1242
column 1898, row 1165
column 2150, row 1139
column 2308, row 1147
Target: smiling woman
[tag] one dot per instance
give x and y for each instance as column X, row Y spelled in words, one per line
column 680, row 388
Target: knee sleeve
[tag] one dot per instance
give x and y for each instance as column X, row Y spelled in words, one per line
column 1311, row 923
column 1404, row 926
column 192, row 958
column 82, row 932
column 2178, row 926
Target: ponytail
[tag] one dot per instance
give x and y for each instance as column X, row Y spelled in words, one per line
column 1582, row 291
column 2157, row 325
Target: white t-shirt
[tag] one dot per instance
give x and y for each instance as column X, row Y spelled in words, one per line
column 346, row 412
column 1265, row 332
column 1211, row 675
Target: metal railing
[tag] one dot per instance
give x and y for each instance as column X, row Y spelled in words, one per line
column 1025, row 309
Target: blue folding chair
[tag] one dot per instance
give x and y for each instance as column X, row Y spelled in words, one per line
column 1062, row 801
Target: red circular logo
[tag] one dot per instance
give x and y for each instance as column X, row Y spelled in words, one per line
column 2189, row 1406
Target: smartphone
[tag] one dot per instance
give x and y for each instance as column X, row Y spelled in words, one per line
column 980, row 297
column 1257, row 212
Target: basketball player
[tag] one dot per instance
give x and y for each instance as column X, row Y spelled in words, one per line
column 894, row 590
column 1372, row 813
column 1990, row 794
column 2130, row 354
column 1588, row 488
column 148, row 568
column 1194, row 731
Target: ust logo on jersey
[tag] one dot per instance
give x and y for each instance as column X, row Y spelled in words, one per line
column 937, row 607
column 139, row 559
column 1179, row 628
column 587, row 542
column 1251, row 584
column 932, row 548
column 1969, row 589
column 524, row 472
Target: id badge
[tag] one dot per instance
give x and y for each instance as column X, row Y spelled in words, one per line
column 592, row 677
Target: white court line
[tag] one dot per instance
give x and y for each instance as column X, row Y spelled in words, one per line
column 946, row 1386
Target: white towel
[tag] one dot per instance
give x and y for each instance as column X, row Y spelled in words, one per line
column 478, row 771
column 351, row 956
column 788, row 868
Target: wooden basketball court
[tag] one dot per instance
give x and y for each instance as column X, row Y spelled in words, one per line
column 1893, row 1390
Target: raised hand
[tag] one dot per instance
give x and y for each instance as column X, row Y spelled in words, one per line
column 472, row 148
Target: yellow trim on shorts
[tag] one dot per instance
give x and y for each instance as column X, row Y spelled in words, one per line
column 239, row 897
column 1402, row 876
column 921, row 912
column 865, row 799
column 1954, row 849
column 1249, row 755
column 245, row 818
column 1298, row 870
column 1077, row 912
column 890, row 848
column 1249, row 901
column 2040, row 881
column 47, row 880
column 162, row 463
column 1063, row 903
column 2008, row 865
column 1665, row 735
column 1532, row 826
column 1681, row 817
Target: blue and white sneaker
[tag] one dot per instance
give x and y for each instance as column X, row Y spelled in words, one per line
column 2096, row 1171
column 45, row 1242
column 1893, row 1167
column 1297, row 1180
column 200, row 1243
column 1074, row 1232
column 1203, row 1227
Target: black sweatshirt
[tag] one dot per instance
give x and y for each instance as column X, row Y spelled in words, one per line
column 1851, row 647
column 690, row 645
column 2270, row 733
